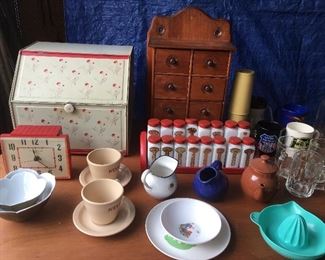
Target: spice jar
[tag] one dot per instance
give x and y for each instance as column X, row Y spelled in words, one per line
column 216, row 128
column 193, row 148
column 153, row 148
column 204, row 128
column 166, row 127
column 153, row 127
column 247, row 151
column 243, row 129
column 191, row 126
column 233, row 152
column 180, row 150
column 219, row 149
column 230, row 129
column 179, row 127
column 167, row 145
column 205, row 151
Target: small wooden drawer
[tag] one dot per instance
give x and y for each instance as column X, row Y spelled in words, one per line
column 205, row 110
column 170, row 87
column 213, row 63
column 164, row 108
column 172, row 61
column 204, row 88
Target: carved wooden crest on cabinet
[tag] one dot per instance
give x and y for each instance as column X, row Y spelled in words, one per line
column 188, row 58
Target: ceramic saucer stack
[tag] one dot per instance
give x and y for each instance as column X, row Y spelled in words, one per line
column 156, row 235
column 125, row 216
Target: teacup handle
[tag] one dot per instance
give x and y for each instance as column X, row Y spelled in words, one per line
column 143, row 178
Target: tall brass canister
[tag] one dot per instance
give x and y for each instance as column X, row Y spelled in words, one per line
column 241, row 95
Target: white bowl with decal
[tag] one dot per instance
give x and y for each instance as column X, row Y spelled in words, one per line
column 21, row 191
column 191, row 221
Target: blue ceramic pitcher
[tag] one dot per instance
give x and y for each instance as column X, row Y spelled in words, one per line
column 210, row 183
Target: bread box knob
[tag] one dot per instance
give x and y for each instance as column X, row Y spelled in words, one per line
column 69, row 108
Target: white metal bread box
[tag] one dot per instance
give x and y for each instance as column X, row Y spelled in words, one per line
column 85, row 88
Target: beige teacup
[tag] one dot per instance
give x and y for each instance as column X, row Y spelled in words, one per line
column 104, row 163
column 102, row 199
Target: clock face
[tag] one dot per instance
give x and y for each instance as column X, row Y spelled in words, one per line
column 43, row 154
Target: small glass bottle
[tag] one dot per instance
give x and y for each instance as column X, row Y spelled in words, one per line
column 153, row 127
column 247, row 151
column 219, row 149
column 205, row 151
column 167, row 145
column 191, row 127
column 180, row 150
column 204, row 128
column 154, row 144
column 230, row 129
column 193, row 148
column 243, row 129
column 179, row 127
column 166, row 127
column 233, row 152
column 216, row 128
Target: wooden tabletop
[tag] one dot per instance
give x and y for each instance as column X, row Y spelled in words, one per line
column 52, row 235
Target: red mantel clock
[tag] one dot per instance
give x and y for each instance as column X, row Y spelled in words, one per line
column 38, row 147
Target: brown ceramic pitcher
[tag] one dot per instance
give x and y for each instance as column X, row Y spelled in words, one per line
column 259, row 179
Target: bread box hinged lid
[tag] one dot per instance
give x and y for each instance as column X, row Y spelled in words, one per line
column 82, row 87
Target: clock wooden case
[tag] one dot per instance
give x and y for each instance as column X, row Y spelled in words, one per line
column 42, row 148
column 188, row 58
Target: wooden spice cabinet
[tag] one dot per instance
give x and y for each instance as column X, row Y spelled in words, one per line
column 188, row 59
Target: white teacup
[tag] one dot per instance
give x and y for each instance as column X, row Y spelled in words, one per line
column 298, row 135
column 104, row 163
column 102, row 199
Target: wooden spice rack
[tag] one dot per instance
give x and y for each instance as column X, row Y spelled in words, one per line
column 183, row 170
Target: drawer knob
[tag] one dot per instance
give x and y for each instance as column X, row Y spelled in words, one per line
column 172, row 60
column 205, row 112
column 161, row 29
column 169, row 110
column 207, row 88
column 211, row 63
column 69, row 108
column 171, row 86
column 218, row 32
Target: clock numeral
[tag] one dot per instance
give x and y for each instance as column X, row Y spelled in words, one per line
column 59, row 157
column 13, row 157
column 23, row 142
column 35, row 142
column 14, row 167
column 60, row 168
column 58, row 147
column 47, row 142
column 11, row 147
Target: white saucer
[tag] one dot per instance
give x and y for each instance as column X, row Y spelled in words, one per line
column 83, row 223
column 156, row 233
column 124, row 176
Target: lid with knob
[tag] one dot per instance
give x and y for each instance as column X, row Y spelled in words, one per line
column 263, row 164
